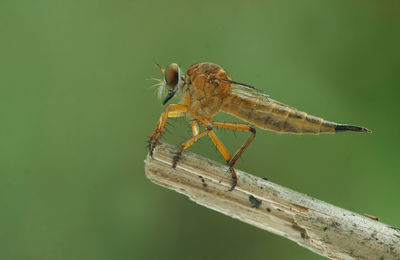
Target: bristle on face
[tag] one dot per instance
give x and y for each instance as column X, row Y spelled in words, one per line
column 353, row 128
column 161, row 87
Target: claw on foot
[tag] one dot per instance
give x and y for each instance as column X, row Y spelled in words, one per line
column 234, row 178
column 151, row 148
column 175, row 161
column 233, row 186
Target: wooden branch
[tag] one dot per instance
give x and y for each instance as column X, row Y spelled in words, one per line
column 321, row 227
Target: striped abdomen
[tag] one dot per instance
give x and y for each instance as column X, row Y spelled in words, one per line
column 272, row 115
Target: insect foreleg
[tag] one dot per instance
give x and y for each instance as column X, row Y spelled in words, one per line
column 178, row 111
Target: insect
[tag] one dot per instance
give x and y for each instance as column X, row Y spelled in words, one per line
column 207, row 89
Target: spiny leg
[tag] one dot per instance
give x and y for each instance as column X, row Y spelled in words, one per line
column 242, row 127
column 222, row 149
column 179, row 110
column 160, row 121
column 196, row 135
column 220, row 146
column 187, row 144
column 157, row 133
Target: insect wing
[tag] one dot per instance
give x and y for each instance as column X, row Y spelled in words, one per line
column 256, row 93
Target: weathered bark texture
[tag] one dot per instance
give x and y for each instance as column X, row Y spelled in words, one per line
column 321, row 227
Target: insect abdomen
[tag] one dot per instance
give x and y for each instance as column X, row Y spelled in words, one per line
column 277, row 117
column 353, row 128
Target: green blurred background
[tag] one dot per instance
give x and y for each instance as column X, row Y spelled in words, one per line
column 76, row 111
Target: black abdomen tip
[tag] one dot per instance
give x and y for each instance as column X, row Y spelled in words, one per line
column 353, row 128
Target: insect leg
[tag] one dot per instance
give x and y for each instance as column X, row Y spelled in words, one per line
column 195, row 127
column 237, row 126
column 187, row 144
column 222, row 149
column 178, row 111
column 159, row 129
column 196, row 135
column 220, row 146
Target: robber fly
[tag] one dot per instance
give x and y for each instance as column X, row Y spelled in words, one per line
column 207, row 89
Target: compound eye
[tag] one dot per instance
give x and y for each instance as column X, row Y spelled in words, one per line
column 172, row 75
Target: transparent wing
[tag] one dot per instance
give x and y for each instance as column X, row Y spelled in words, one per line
column 255, row 93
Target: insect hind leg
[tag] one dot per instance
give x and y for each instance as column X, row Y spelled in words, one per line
column 241, row 127
column 222, row 149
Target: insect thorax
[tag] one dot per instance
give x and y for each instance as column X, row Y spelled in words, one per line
column 207, row 88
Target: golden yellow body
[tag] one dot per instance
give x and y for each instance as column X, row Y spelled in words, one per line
column 211, row 92
column 207, row 89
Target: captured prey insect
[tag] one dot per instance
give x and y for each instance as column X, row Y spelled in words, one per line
column 207, row 89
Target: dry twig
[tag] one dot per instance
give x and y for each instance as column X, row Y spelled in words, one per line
column 321, row 227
